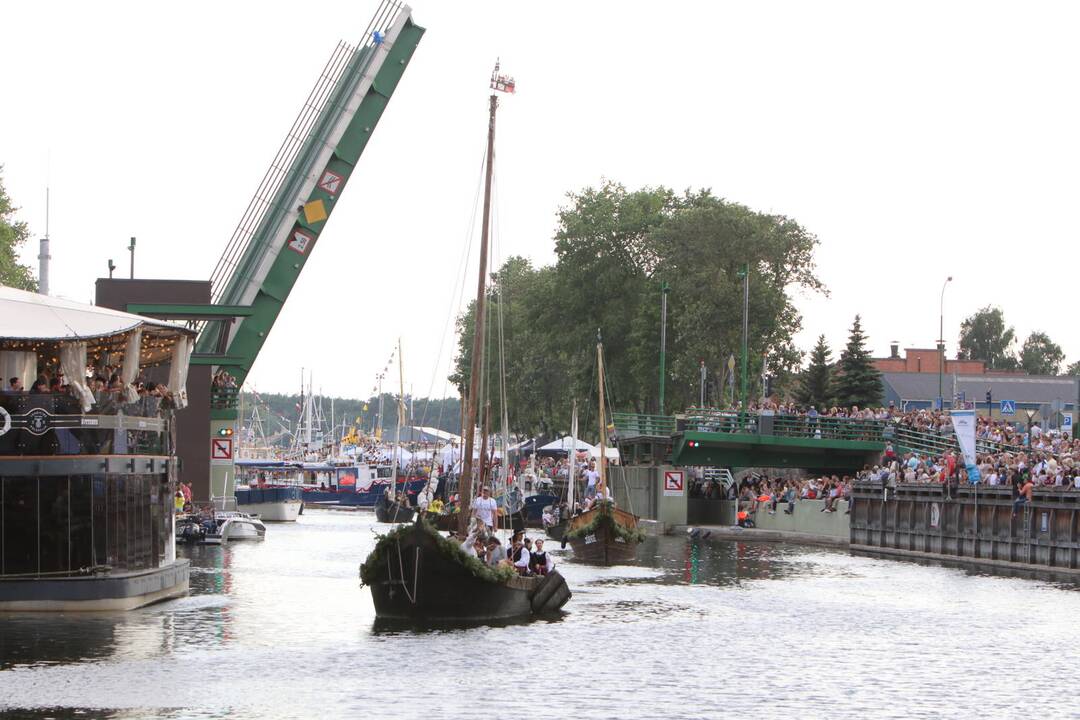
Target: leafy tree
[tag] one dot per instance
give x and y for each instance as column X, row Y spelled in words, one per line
column 858, row 382
column 1040, row 355
column 984, row 336
column 703, row 248
column 814, row 388
column 1073, row 369
column 614, row 247
column 13, row 235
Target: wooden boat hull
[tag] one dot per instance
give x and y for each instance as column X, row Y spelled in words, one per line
column 556, row 532
column 603, row 546
column 417, row 582
column 392, row 512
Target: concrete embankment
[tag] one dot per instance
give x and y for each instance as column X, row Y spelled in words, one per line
column 807, row 523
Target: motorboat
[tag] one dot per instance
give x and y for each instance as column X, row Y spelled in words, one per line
column 222, row 527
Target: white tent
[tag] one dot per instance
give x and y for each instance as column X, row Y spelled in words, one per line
column 611, row 453
column 565, row 444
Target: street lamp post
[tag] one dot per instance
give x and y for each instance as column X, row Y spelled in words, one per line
column 664, row 288
column 744, row 272
column 941, row 345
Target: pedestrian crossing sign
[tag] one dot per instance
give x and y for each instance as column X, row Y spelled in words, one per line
column 1008, row 407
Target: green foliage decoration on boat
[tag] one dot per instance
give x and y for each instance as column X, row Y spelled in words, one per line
column 630, row 535
column 375, row 565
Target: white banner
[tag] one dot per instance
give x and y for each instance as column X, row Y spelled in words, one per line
column 964, row 426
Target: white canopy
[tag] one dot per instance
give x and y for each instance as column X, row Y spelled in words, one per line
column 30, row 316
column 436, row 432
column 610, row 453
column 565, row 444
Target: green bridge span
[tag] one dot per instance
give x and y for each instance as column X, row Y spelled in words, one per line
column 731, row 439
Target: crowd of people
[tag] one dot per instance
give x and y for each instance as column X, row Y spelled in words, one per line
column 107, row 388
column 1008, row 455
column 525, row 556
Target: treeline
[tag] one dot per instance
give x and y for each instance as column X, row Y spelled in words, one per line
column 281, row 411
column 614, row 249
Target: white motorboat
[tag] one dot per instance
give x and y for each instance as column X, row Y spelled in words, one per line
column 231, row 525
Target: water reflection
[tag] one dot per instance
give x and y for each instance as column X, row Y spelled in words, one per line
column 270, row 630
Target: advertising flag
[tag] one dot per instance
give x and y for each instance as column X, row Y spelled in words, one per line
column 964, row 427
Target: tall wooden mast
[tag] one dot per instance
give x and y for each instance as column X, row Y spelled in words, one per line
column 502, row 84
column 603, row 424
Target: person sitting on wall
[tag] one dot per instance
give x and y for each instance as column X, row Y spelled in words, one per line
column 1024, row 487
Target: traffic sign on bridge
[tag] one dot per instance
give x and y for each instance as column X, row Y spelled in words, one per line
column 1008, row 407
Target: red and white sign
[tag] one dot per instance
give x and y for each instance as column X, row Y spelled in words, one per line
column 674, row 483
column 300, row 241
column 221, row 449
column 331, row 182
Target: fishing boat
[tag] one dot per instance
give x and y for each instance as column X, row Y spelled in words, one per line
column 603, row 533
column 414, row 572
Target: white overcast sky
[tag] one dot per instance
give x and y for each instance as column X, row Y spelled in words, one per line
column 916, row 139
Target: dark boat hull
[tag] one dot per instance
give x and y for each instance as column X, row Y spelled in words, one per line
column 392, row 512
column 603, row 549
column 419, row 583
column 603, row 545
column 556, row 532
column 534, row 508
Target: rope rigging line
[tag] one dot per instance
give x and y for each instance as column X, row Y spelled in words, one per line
column 458, row 290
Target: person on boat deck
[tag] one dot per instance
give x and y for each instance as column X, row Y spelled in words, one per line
column 539, row 561
column 496, row 552
column 521, row 558
column 591, row 478
column 484, row 508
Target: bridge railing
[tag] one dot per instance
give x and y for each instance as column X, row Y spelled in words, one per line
column 695, row 419
column 793, row 426
column 637, row 425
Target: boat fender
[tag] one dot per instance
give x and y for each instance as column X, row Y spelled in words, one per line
column 543, row 592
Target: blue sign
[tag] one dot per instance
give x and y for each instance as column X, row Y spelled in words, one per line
column 1008, row 407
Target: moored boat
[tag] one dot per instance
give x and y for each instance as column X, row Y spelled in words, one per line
column 271, row 504
column 88, row 475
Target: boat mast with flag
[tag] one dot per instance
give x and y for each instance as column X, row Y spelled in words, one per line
column 417, row 574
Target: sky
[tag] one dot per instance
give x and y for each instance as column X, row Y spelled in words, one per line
column 917, row 140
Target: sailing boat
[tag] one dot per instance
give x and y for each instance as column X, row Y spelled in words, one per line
column 603, row 533
column 387, row 507
column 414, row 572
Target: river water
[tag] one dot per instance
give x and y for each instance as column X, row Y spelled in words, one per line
column 282, row 629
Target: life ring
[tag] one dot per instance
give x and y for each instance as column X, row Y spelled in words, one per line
column 5, row 421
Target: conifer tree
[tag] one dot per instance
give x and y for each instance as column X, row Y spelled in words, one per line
column 814, row 388
column 858, row 382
